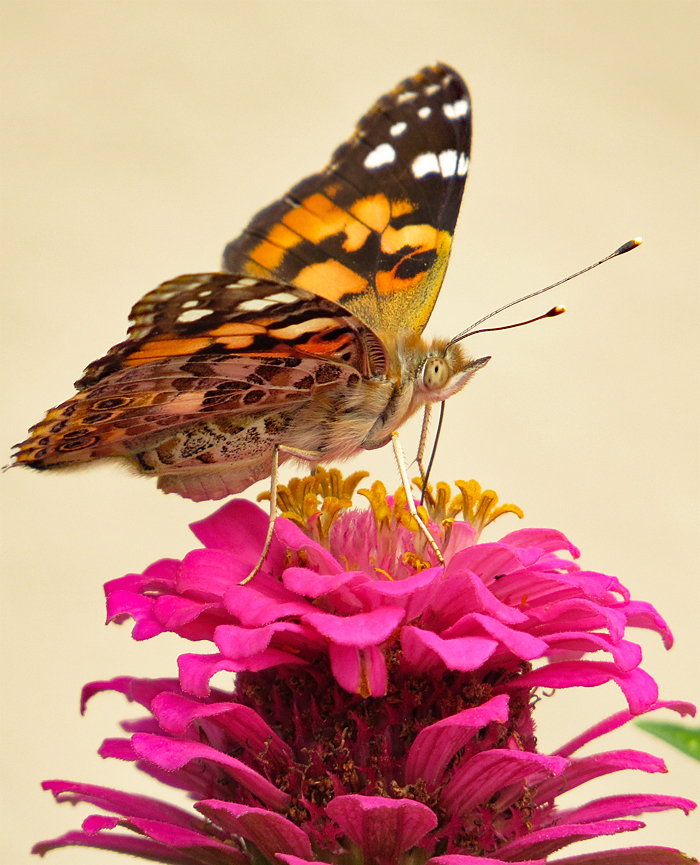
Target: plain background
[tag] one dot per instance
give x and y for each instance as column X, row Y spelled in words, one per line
column 139, row 137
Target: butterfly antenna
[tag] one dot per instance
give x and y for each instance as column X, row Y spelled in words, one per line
column 626, row 247
column 426, row 478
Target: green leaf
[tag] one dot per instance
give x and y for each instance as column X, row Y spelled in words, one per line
column 686, row 739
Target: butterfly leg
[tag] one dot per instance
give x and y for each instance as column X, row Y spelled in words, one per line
column 311, row 456
column 423, row 441
column 401, row 462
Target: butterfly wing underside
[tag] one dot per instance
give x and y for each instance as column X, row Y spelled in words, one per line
column 203, row 346
column 373, row 231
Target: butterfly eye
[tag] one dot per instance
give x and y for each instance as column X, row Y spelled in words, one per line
column 435, row 373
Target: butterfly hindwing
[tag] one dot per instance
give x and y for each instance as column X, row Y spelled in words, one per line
column 373, row 231
column 202, row 346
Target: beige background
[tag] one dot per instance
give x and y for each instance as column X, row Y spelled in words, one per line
column 138, row 137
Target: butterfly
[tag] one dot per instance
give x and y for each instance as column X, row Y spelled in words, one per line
column 308, row 343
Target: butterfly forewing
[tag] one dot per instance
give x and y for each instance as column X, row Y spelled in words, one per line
column 373, row 230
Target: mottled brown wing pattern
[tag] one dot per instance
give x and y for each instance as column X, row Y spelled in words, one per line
column 201, row 346
column 373, row 230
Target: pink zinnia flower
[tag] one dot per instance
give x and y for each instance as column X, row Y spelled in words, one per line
column 382, row 709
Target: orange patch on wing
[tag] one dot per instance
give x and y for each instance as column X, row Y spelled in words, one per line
column 374, row 211
column 318, row 218
column 235, row 343
column 401, row 207
column 331, row 280
column 420, row 237
column 158, row 348
column 387, row 283
column 238, row 328
column 270, row 252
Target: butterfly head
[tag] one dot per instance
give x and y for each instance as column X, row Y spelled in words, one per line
column 445, row 370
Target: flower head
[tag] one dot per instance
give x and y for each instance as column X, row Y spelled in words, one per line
column 382, row 709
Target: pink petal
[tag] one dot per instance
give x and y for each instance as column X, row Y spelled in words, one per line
column 239, row 526
column 548, row 540
column 196, row 670
column 630, row 856
column 519, row 643
column 478, row 779
column 618, row 720
column 586, row 768
column 270, row 832
column 171, row 754
column 118, row 749
column 207, row 574
column 435, row 745
column 425, row 651
column 632, row 805
column 638, row 687
column 294, row 860
column 126, row 804
column 547, row 841
column 458, row 859
column 626, row 655
column 175, row 714
column 578, row 614
column 303, row 581
column 359, row 671
column 412, row 593
column 174, row 612
column 265, row 600
column 174, row 836
column 318, row 559
column 140, row 691
column 130, row 844
column 361, row 630
column 121, row 604
column 382, row 828
column 97, row 822
column 492, row 560
column 643, row 615
column 462, row 593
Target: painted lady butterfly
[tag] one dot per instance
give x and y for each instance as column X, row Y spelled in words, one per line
column 309, row 343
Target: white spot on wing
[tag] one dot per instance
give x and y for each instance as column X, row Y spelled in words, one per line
column 463, row 164
column 255, row 304
column 383, row 154
column 425, row 163
column 258, row 304
column 455, row 110
column 398, row 128
column 139, row 332
column 406, row 96
column 425, row 112
column 448, row 163
column 190, row 315
column 188, row 304
column 283, row 297
column 430, row 89
column 246, row 280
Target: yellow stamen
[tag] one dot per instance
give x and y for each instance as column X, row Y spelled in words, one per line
column 316, row 501
column 478, row 508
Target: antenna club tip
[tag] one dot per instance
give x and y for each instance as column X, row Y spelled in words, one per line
column 626, row 247
column 556, row 310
